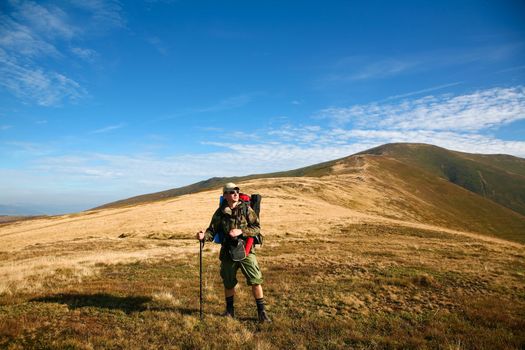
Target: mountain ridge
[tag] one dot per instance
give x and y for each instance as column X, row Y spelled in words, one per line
column 417, row 183
column 460, row 168
column 486, row 175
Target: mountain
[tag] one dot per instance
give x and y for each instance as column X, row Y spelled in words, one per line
column 417, row 182
column 500, row 178
column 314, row 170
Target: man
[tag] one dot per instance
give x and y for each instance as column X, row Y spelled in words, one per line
column 235, row 220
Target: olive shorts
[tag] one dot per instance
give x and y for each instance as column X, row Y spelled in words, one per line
column 249, row 267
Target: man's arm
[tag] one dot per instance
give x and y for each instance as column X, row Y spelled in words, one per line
column 212, row 229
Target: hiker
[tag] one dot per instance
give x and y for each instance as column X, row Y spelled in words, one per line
column 235, row 220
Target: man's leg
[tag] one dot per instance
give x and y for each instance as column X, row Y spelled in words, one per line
column 229, row 294
column 250, row 269
column 259, row 300
column 228, row 272
column 257, row 291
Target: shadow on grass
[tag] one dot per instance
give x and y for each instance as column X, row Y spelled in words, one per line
column 127, row 304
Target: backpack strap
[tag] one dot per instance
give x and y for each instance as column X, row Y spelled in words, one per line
column 245, row 209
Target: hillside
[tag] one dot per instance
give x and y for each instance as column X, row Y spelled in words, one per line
column 368, row 251
column 314, row 170
column 412, row 182
column 360, row 258
column 408, row 194
column 500, row 178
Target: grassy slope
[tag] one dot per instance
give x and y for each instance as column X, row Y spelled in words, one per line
column 450, row 189
column 7, row 219
column 499, row 178
column 361, row 286
column 214, row 182
column 508, row 163
column 431, row 199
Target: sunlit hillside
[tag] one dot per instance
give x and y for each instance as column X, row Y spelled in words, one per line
column 367, row 251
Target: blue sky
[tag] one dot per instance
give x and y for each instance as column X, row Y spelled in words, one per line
column 103, row 100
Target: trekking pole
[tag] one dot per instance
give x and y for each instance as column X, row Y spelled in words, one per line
column 201, row 244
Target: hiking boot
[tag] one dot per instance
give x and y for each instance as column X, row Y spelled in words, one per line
column 263, row 317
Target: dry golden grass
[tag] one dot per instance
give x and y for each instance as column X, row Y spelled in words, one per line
column 343, row 266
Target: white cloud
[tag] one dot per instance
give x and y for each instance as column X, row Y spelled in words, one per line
column 48, row 21
column 512, row 69
column 290, row 146
column 32, row 83
column 422, row 91
column 26, row 149
column 332, row 138
column 472, row 112
column 130, row 174
column 466, row 142
column 120, row 176
column 287, row 146
column 158, row 44
column 108, row 128
column 365, row 67
column 227, row 103
column 21, row 40
column 381, row 69
column 31, row 29
column 85, row 54
column 357, row 68
column 32, row 35
column 456, row 122
column 127, row 172
column 288, row 133
column 104, row 14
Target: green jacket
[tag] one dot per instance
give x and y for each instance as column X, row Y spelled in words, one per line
column 224, row 219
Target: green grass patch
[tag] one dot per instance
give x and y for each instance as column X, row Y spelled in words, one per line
column 320, row 294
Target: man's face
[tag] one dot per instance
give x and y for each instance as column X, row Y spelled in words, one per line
column 232, row 195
